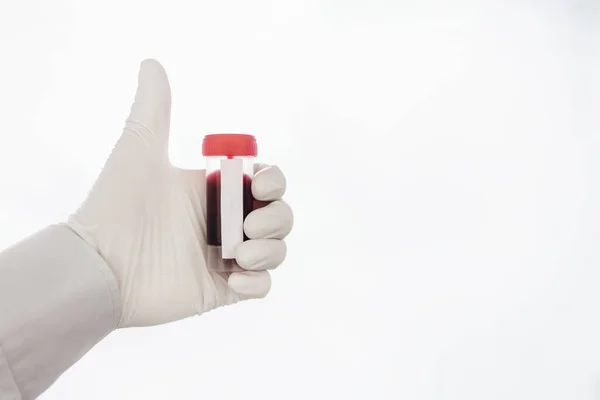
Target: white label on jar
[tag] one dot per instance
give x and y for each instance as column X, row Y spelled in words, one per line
column 232, row 206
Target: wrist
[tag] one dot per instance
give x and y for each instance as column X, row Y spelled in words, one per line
column 58, row 298
column 92, row 258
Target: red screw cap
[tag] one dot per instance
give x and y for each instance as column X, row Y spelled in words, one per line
column 229, row 145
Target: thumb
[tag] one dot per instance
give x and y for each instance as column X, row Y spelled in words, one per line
column 151, row 111
column 141, row 148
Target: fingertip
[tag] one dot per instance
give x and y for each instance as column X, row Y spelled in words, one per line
column 252, row 284
column 153, row 83
column 273, row 221
column 261, row 254
column 151, row 63
column 269, row 184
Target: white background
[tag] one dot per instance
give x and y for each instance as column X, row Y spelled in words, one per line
column 442, row 163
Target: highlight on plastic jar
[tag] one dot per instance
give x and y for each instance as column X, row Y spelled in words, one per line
column 229, row 170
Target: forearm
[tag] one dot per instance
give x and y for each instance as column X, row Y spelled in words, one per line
column 58, row 298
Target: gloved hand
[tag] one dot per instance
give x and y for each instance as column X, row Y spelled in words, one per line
column 147, row 219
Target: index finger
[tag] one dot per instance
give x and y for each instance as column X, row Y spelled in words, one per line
column 269, row 183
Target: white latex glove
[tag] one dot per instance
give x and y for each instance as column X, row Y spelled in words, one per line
column 147, row 219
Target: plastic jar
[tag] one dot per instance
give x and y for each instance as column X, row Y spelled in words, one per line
column 229, row 170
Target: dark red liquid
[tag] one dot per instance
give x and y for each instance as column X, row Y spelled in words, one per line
column 213, row 206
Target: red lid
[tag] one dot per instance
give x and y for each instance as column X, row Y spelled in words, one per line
column 229, row 145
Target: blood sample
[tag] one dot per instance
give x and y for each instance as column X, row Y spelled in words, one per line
column 229, row 171
column 213, row 205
